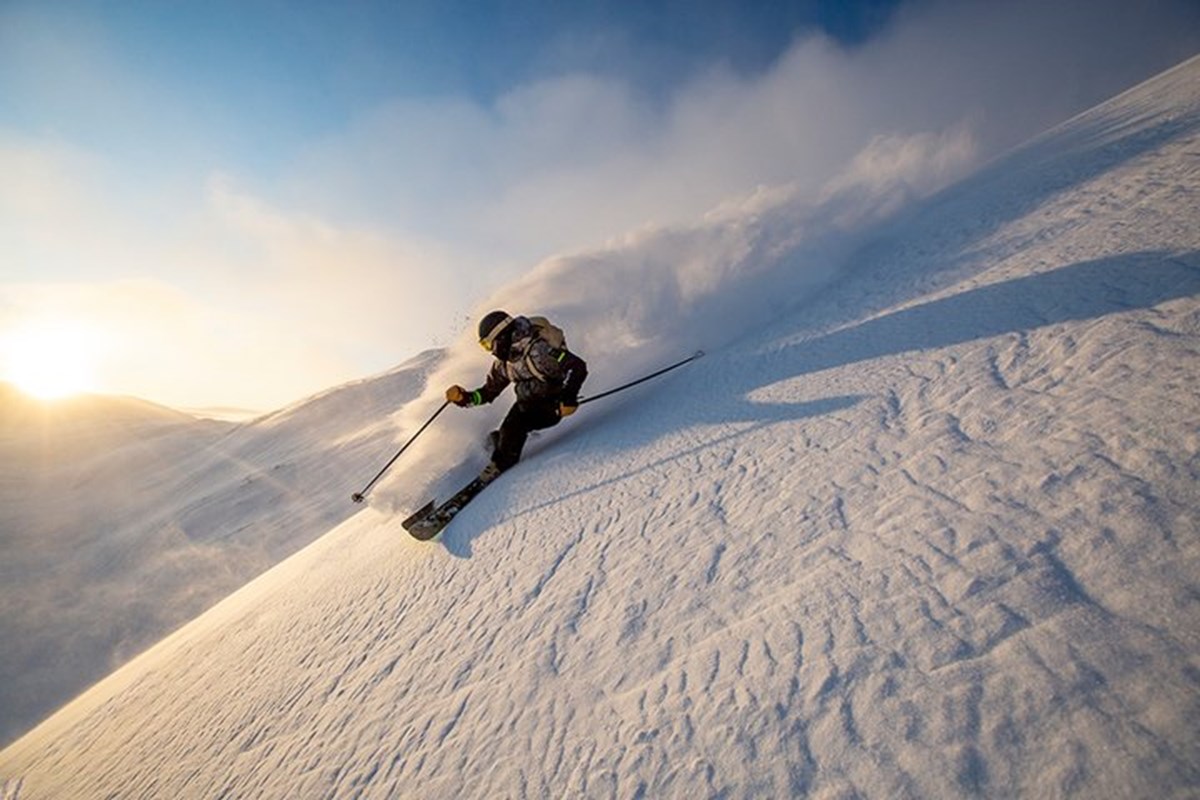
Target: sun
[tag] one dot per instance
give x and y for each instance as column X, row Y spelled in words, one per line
column 49, row 360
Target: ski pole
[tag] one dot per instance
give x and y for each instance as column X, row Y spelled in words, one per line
column 359, row 496
column 643, row 379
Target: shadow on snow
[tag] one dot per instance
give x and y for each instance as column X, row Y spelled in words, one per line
column 1085, row 291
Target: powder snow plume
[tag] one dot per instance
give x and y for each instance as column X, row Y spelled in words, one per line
column 661, row 294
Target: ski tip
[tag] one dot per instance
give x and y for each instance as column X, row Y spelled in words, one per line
column 357, row 497
column 425, row 532
column 418, row 515
column 424, row 527
column 698, row 354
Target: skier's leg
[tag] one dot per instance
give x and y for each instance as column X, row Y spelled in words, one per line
column 522, row 418
column 514, row 431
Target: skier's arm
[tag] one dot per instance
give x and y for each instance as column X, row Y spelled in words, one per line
column 497, row 379
column 574, row 371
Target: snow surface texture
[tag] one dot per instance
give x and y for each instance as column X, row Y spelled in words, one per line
column 933, row 534
column 120, row 520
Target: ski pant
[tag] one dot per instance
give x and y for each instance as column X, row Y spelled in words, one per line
column 525, row 416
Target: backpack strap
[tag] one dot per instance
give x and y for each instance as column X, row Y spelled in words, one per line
column 557, row 353
column 548, row 332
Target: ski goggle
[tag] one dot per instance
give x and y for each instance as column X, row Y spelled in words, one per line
column 489, row 342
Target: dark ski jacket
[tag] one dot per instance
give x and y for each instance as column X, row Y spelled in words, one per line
column 537, row 370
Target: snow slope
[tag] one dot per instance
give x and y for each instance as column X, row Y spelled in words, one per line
column 121, row 520
column 931, row 533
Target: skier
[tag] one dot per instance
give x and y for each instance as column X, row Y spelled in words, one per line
column 531, row 354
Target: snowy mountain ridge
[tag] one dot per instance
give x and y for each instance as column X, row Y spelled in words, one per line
column 123, row 520
column 931, row 532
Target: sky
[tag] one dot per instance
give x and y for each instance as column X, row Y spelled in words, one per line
column 236, row 205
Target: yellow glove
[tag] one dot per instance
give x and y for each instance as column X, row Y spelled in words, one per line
column 458, row 395
column 565, row 410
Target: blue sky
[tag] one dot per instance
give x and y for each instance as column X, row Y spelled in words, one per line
column 243, row 203
column 253, row 79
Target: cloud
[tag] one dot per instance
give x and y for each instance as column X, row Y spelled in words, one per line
column 156, row 341
column 208, row 295
column 332, row 286
column 50, row 189
column 353, row 251
column 570, row 160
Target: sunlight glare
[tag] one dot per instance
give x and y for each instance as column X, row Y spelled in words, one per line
column 49, row 360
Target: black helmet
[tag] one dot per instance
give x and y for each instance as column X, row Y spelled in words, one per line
column 491, row 331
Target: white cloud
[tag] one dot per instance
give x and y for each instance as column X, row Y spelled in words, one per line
column 569, row 161
column 330, row 283
column 376, row 241
column 230, row 302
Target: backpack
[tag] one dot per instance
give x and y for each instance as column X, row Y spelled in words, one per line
column 548, row 332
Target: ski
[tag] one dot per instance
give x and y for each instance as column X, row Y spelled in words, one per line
column 429, row 521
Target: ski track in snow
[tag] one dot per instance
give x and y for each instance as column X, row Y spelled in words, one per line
column 934, row 536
